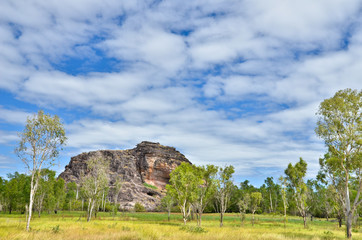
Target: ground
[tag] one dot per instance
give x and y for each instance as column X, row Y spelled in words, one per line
column 154, row 226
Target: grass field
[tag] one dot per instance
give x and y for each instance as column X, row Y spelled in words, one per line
column 153, row 226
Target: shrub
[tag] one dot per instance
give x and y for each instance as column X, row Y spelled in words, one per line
column 55, row 229
column 138, row 207
column 193, row 229
column 328, row 235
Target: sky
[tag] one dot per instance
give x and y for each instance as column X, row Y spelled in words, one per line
column 223, row 81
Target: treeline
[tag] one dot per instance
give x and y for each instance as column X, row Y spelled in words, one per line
column 197, row 189
column 51, row 196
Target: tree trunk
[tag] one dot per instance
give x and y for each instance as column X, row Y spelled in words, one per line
column 349, row 214
column 33, row 187
column 305, row 220
column 90, row 211
column 169, row 214
column 349, row 217
column 183, row 209
column 221, row 218
column 30, row 208
column 200, row 215
column 102, row 201
column 88, row 208
column 271, row 202
column 285, row 215
column 252, row 223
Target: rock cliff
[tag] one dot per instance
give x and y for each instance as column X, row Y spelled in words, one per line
column 148, row 162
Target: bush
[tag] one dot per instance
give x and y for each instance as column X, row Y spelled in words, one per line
column 193, row 229
column 55, row 229
column 328, row 236
column 138, row 207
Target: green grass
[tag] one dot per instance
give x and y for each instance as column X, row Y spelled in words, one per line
column 154, row 226
column 150, row 186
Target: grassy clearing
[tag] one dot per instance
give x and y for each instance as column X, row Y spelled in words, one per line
column 154, row 226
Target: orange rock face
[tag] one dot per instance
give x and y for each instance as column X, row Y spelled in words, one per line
column 148, row 162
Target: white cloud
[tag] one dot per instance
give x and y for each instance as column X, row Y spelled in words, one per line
column 7, row 137
column 234, row 82
column 13, row 116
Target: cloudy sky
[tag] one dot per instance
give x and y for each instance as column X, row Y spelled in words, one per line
column 224, row 81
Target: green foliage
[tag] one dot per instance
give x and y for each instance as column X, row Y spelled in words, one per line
column 340, row 126
column 255, row 200
column 16, row 192
column 40, row 144
column 224, row 188
column 182, row 187
column 295, row 178
column 138, row 207
column 41, row 141
column 95, row 183
column 149, row 186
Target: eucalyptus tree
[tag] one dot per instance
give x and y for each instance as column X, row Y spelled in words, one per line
column 182, row 187
column 16, row 192
column 340, row 126
column 59, row 193
column 44, row 193
column 243, row 206
column 205, row 188
column 255, row 200
column 271, row 188
column 71, row 195
column 295, row 177
column 40, row 144
column 283, row 189
column 94, row 181
column 116, row 190
column 224, row 187
column 167, row 202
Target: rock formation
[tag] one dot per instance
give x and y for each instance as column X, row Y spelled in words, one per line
column 149, row 163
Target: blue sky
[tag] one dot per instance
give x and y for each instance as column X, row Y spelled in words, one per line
column 225, row 82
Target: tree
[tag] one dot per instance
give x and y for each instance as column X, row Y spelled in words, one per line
column 182, row 188
column 283, row 183
column 2, row 193
column 295, row 177
column 243, row 205
column 340, row 126
column 94, row 181
column 40, row 144
column 255, row 200
column 44, row 193
column 224, row 188
column 116, row 191
column 167, row 202
column 205, row 189
column 271, row 189
column 71, row 195
column 59, row 193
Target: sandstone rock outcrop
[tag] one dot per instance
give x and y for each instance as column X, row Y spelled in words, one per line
column 148, row 162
